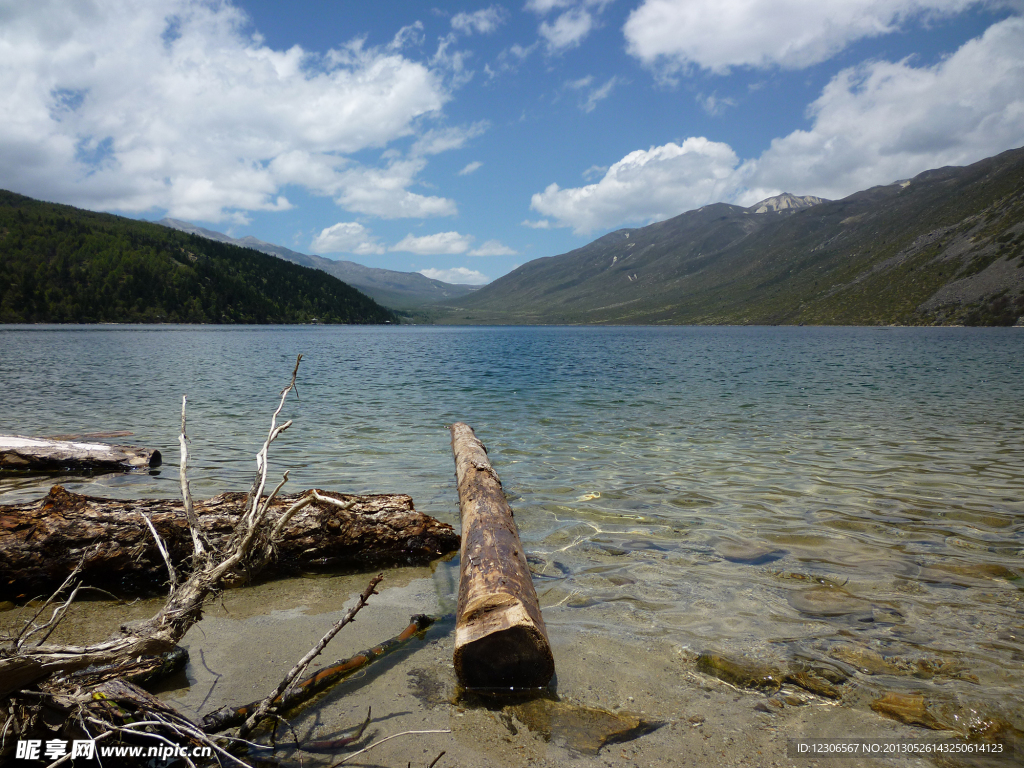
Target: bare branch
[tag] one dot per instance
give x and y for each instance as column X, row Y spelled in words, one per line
column 162, row 548
column 186, row 492
column 58, row 615
column 29, row 627
column 386, row 738
column 300, row 667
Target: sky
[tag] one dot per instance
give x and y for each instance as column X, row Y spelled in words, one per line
column 463, row 139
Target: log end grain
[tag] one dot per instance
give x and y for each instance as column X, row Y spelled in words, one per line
column 515, row 659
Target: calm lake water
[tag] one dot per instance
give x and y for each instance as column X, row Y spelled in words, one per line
column 785, row 492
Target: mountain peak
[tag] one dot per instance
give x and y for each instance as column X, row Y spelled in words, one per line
column 785, row 202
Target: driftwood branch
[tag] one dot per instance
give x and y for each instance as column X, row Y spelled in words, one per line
column 285, row 685
column 182, row 609
column 321, row 680
column 230, row 538
column 198, row 544
column 364, row 750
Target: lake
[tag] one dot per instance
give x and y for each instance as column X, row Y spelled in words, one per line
column 788, row 493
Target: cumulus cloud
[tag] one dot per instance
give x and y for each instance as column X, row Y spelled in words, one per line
column 433, row 245
column 484, row 21
column 644, row 186
column 884, row 121
column 145, row 104
column 720, row 34
column 493, row 248
column 470, row 168
column 384, row 192
column 872, row 124
column 540, row 224
column 458, row 275
column 347, row 237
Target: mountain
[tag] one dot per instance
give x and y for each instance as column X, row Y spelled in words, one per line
column 786, row 202
column 400, row 290
column 945, row 247
column 60, row 264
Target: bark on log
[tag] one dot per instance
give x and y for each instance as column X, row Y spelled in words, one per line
column 44, row 454
column 43, row 541
column 500, row 638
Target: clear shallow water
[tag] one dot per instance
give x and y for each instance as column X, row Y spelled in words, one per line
column 788, row 492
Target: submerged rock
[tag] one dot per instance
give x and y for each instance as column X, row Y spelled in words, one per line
column 873, row 663
column 827, row 601
column 742, row 672
column 580, row 728
column 747, row 553
column 909, row 708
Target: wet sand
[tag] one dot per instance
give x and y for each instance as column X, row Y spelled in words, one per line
column 250, row 637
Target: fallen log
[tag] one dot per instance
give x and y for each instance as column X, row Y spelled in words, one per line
column 48, row 455
column 41, row 542
column 500, row 638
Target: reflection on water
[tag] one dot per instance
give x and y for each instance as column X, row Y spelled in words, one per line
column 784, row 492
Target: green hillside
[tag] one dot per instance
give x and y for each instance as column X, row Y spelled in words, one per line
column 60, row 264
column 946, row 247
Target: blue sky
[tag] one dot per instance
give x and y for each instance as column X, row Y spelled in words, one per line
column 464, row 139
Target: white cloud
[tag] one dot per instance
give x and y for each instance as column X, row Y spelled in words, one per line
column 714, row 105
column 458, row 275
column 433, row 245
column 598, row 94
column 568, row 30
column 347, row 237
column 885, row 121
column 470, row 168
column 539, row 224
column 644, row 186
column 384, row 192
column 140, row 104
column 439, row 140
column 721, row 34
column 493, row 248
column 546, row 6
column 484, row 21
column 872, row 124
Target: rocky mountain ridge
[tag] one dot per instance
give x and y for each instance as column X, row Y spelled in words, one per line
column 945, row 247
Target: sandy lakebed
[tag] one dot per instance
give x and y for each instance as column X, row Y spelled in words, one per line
column 250, row 637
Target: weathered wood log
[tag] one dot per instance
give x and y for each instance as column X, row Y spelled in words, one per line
column 44, row 454
column 42, row 542
column 500, row 638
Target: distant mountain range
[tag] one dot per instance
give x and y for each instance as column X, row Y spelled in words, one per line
column 946, row 247
column 398, row 290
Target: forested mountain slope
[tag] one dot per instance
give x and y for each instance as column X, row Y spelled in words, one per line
column 60, row 264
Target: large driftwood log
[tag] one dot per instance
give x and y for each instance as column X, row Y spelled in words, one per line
column 44, row 454
column 500, row 638
column 42, row 542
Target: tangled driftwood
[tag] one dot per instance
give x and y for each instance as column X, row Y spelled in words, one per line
column 40, row 693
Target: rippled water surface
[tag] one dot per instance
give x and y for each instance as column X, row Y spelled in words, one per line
column 794, row 492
